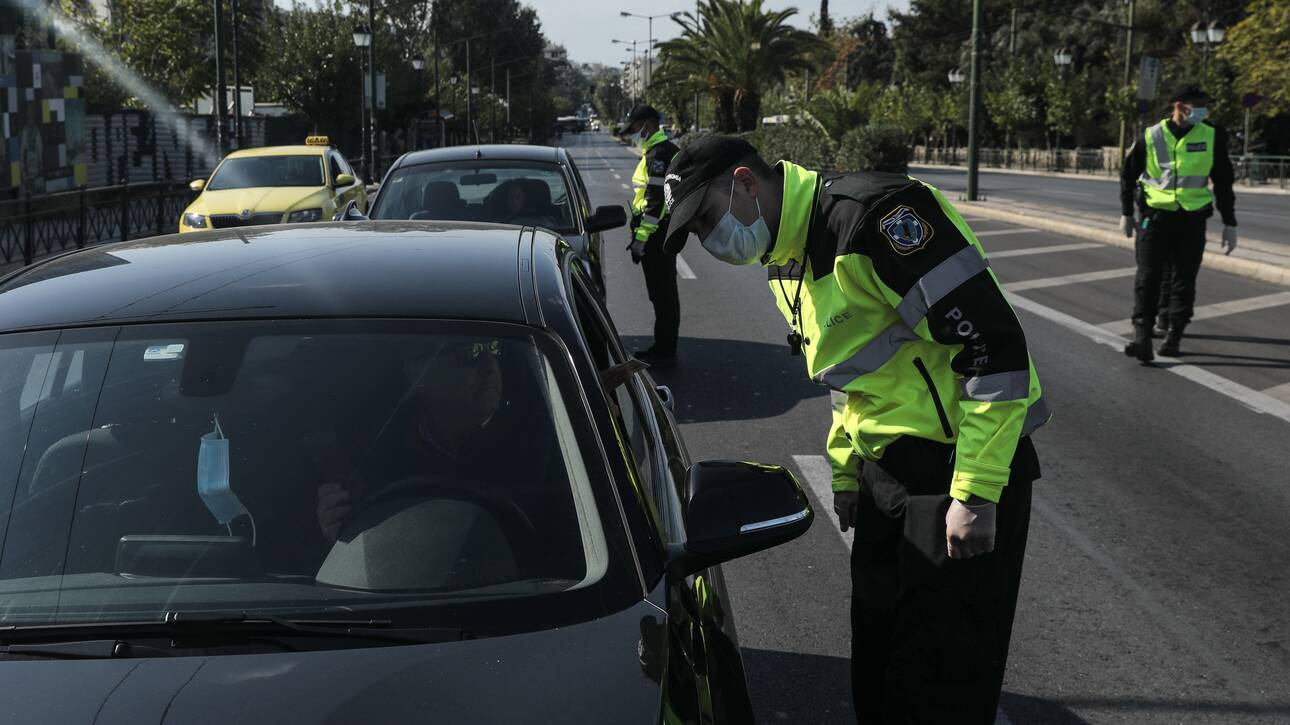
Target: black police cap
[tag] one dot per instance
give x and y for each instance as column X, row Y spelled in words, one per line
column 1187, row 93
column 644, row 112
column 688, row 176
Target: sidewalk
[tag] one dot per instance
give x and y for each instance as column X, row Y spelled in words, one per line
column 1115, row 177
column 1257, row 259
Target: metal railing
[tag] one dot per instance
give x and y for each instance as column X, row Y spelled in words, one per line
column 34, row 226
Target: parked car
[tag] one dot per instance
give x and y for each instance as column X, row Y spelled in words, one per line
column 511, row 184
column 374, row 472
column 274, row 185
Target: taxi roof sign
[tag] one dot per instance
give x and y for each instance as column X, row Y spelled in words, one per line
column 317, row 141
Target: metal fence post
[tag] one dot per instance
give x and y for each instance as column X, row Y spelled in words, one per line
column 125, row 211
column 28, row 248
column 80, row 218
column 161, row 209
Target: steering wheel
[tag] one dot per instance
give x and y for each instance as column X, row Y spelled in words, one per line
column 516, row 524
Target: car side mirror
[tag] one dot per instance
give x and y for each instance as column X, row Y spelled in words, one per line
column 735, row 509
column 606, row 218
column 344, row 180
column 350, row 213
column 197, row 185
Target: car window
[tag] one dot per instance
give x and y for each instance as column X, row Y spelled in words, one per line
column 336, row 169
column 506, row 192
column 225, row 466
column 257, row 171
column 581, row 187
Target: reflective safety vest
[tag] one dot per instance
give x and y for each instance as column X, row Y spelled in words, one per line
column 900, row 312
column 648, row 208
column 1177, row 172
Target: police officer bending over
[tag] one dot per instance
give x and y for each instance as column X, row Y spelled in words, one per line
column 898, row 310
column 1168, row 170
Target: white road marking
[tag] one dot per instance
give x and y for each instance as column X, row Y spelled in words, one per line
column 1069, row 193
column 683, row 268
column 1043, row 250
column 1280, row 392
column 625, row 186
column 1206, row 312
column 1070, row 279
column 819, row 476
column 617, row 176
column 1005, row 232
column 1250, row 398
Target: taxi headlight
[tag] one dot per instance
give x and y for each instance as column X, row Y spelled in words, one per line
column 196, row 221
column 304, row 215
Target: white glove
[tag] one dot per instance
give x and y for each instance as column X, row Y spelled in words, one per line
column 1229, row 240
column 969, row 530
column 1126, row 225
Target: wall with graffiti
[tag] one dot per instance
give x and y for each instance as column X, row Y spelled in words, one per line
column 42, row 116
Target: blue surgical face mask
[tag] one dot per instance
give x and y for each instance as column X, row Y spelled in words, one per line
column 213, row 478
column 734, row 242
column 1198, row 114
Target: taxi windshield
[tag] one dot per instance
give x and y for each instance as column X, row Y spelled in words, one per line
column 505, row 192
column 259, row 171
column 289, row 468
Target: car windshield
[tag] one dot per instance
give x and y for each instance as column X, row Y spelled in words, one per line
column 506, row 192
column 292, row 468
column 256, row 171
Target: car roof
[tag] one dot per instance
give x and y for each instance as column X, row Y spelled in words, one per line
column 456, row 270
column 484, row 152
column 298, row 150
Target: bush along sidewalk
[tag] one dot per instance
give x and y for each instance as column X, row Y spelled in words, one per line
column 874, row 147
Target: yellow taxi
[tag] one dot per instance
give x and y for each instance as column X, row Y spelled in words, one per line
column 274, row 185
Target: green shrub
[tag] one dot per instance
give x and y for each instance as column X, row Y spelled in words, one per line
column 801, row 143
column 875, row 148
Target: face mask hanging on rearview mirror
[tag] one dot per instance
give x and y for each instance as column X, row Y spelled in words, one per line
column 213, row 478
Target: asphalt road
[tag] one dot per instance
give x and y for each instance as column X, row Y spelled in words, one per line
column 1259, row 216
column 1157, row 581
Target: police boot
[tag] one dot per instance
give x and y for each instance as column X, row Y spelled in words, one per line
column 1141, row 345
column 1170, row 347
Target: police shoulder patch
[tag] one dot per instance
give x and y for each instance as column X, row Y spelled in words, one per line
column 905, row 230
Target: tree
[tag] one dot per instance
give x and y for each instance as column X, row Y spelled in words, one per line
column 825, row 23
column 315, row 69
column 169, row 43
column 735, row 51
column 1258, row 48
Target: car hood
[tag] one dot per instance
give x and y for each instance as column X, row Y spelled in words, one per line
column 591, row 672
column 261, row 199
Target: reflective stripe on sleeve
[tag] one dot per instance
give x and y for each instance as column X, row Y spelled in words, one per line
column 647, row 219
column 1013, row 385
column 1036, row 416
column 867, row 359
column 943, row 279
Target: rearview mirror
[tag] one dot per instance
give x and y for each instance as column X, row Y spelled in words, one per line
column 607, row 217
column 477, row 179
column 197, row 185
column 735, row 509
column 344, row 179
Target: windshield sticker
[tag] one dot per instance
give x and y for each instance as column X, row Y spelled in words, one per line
column 170, row 351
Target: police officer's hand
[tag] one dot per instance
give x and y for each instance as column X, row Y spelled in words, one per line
column 844, row 505
column 1229, row 239
column 969, row 528
column 1126, row 225
column 637, row 248
column 334, row 504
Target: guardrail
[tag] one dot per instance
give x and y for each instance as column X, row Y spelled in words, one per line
column 34, row 226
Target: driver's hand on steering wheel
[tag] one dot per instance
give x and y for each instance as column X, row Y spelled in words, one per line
column 335, row 501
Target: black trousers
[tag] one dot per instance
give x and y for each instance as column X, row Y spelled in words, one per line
column 930, row 634
column 1168, row 251
column 660, row 282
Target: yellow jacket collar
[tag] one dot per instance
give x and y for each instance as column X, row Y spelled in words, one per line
column 655, row 139
column 794, row 213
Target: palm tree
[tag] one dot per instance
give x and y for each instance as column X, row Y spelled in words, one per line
column 734, row 50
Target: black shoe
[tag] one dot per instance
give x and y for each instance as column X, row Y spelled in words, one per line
column 1140, row 348
column 655, row 359
column 1171, row 346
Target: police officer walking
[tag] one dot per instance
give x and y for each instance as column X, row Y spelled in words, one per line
column 1169, row 171
column 893, row 305
column 648, row 228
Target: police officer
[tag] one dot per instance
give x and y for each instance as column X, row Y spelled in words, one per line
column 1168, row 171
column 648, row 228
column 895, row 308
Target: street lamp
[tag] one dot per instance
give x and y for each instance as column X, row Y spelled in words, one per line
column 1062, row 57
column 362, row 39
column 956, row 76
column 1206, row 36
column 648, row 65
column 362, row 36
column 418, row 63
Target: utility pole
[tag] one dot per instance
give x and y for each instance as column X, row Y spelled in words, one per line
column 1128, row 74
column 371, row 104
column 508, row 100
column 1012, row 32
column 237, row 80
column 470, row 98
column 438, row 105
column 492, row 98
column 974, row 103
column 221, row 99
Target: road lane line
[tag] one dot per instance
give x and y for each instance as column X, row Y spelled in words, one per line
column 1043, row 250
column 1250, row 398
column 683, row 268
column 819, row 477
column 1068, row 193
column 616, row 175
column 1219, row 309
column 625, row 186
column 1005, row 232
column 1280, row 392
column 1070, row 279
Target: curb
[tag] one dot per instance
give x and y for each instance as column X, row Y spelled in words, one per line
column 1236, row 187
column 1262, row 271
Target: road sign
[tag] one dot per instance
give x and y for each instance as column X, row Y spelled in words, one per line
column 1148, row 78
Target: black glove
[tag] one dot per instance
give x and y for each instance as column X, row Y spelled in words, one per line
column 637, row 248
